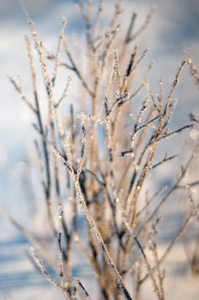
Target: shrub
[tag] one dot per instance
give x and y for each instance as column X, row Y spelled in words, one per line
column 99, row 164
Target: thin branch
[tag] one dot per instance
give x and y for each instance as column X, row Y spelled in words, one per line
column 58, row 51
column 193, row 69
column 30, row 237
column 82, row 288
column 76, row 70
column 52, row 280
column 143, row 28
column 19, row 90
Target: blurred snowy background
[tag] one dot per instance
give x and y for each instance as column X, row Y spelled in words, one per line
column 174, row 28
